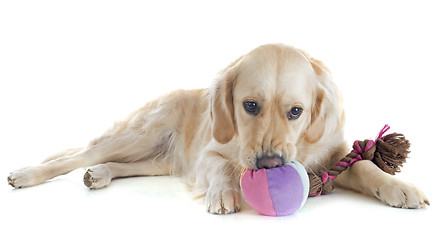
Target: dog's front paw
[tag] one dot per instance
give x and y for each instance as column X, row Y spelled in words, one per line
column 397, row 193
column 223, row 201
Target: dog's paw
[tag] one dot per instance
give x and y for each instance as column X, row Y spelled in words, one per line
column 97, row 177
column 223, row 201
column 397, row 193
column 26, row 177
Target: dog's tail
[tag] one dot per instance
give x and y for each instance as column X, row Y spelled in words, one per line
column 64, row 153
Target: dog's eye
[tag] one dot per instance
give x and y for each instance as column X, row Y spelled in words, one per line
column 294, row 113
column 251, row 107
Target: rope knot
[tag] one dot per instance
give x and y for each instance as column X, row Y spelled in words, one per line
column 321, row 185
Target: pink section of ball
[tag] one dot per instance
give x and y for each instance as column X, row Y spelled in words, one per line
column 255, row 190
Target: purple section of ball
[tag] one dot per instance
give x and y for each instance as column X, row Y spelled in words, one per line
column 286, row 200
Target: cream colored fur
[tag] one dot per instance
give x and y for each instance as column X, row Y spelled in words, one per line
column 207, row 137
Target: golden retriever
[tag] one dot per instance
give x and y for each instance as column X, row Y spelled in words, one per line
column 273, row 105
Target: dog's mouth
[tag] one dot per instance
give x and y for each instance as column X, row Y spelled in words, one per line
column 269, row 161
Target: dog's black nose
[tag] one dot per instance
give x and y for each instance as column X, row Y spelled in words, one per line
column 270, row 162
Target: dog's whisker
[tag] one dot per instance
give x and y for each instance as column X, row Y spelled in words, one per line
column 319, row 163
column 314, row 174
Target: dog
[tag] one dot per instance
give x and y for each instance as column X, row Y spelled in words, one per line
column 273, row 105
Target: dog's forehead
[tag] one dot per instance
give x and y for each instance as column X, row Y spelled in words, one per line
column 275, row 71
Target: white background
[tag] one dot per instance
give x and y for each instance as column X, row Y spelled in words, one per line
column 69, row 69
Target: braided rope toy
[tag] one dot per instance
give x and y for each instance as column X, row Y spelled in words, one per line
column 270, row 194
column 387, row 152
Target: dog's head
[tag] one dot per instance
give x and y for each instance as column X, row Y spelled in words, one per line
column 274, row 99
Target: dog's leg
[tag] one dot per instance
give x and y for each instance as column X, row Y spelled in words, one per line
column 34, row 175
column 364, row 176
column 100, row 176
column 218, row 179
column 118, row 146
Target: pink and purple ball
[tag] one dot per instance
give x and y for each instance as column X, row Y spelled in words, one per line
column 276, row 191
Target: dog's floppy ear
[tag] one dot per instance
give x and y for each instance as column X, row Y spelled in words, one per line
column 222, row 109
column 327, row 112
